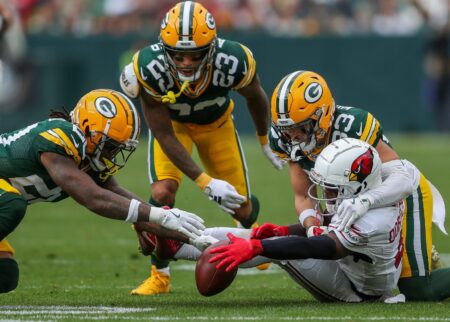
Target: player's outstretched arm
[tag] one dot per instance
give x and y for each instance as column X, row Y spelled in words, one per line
column 80, row 186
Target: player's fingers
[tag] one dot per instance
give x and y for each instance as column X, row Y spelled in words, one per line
column 225, row 262
column 219, row 249
column 232, row 266
column 192, row 216
column 231, row 237
column 188, row 234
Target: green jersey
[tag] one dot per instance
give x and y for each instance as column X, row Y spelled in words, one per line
column 20, row 152
column 348, row 122
column 233, row 67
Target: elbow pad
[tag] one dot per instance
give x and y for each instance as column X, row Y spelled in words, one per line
column 398, row 183
column 128, row 81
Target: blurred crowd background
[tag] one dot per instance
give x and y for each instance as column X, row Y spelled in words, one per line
column 295, row 19
column 279, row 17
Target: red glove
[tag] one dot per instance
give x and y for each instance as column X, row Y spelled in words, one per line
column 239, row 251
column 269, row 230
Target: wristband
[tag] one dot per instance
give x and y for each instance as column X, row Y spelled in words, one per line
column 305, row 214
column 263, row 139
column 202, row 180
column 133, row 211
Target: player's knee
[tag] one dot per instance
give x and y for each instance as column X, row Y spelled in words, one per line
column 164, row 192
column 9, row 275
column 18, row 208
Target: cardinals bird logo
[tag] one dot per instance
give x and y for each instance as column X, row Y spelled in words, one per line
column 362, row 167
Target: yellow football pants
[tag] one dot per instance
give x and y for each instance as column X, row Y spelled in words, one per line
column 417, row 231
column 219, row 149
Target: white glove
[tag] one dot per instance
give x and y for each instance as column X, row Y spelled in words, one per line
column 276, row 161
column 224, row 194
column 202, row 242
column 351, row 210
column 317, row 231
column 175, row 219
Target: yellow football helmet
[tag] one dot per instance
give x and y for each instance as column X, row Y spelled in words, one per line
column 111, row 125
column 188, row 27
column 302, row 111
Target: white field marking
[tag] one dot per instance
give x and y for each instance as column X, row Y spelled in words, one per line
column 59, row 317
column 68, row 310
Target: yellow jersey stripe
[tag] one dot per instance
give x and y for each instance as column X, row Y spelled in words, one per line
column 149, row 90
column 373, row 136
column 5, row 185
column 368, row 127
column 58, row 137
column 6, row 247
column 250, row 71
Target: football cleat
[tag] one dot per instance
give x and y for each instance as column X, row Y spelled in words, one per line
column 157, row 283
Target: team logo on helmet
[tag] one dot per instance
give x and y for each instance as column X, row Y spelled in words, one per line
column 210, row 21
column 362, row 166
column 313, row 92
column 165, row 21
column 105, row 107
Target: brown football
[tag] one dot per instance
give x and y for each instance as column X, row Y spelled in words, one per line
column 211, row 281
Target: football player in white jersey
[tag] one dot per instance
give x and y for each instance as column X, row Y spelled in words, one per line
column 354, row 265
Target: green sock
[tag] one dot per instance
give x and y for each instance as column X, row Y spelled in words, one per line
column 9, row 275
column 254, row 214
column 435, row 287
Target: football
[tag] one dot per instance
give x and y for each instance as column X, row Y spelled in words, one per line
column 211, row 281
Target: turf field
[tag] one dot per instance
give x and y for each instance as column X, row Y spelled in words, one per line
column 79, row 266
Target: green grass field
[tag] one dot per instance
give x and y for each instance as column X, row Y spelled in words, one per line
column 78, row 266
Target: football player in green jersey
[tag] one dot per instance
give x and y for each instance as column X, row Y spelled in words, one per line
column 77, row 156
column 183, row 82
column 305, row 119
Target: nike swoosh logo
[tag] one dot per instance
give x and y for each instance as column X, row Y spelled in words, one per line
column 359, row 133
column 176, row 215
column 142, row 75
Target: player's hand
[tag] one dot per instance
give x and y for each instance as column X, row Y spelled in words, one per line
column 276, row 161
column 224, row 194
column 202, row 242
column 184, row 222
column 351, row 210
column 269, row 230
column 316, row 231
column 239, row 251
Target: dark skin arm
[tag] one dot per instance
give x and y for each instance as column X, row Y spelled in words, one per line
column 158, row 119
column 76, row 183
column 258, row 105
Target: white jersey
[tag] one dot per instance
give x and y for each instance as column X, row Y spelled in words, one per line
column 375, row 239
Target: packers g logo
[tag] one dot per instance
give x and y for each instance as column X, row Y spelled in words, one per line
column 210, row 21
column 313, row 92
column 105, row 107
column 165, row 21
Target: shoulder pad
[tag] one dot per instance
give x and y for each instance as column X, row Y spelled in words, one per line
column 128, row 81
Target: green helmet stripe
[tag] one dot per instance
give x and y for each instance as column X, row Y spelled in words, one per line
column 186, row 20
column 283, row 94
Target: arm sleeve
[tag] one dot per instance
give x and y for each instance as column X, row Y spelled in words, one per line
column 297, row 247
column 397, row 185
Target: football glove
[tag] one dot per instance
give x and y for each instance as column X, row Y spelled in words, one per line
column 276, row 161
column 317, row 231
column 224, row 194
column 350, row 210
column 239, row 251
column 184, row 222
column 202, row 242
column 269, row 230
